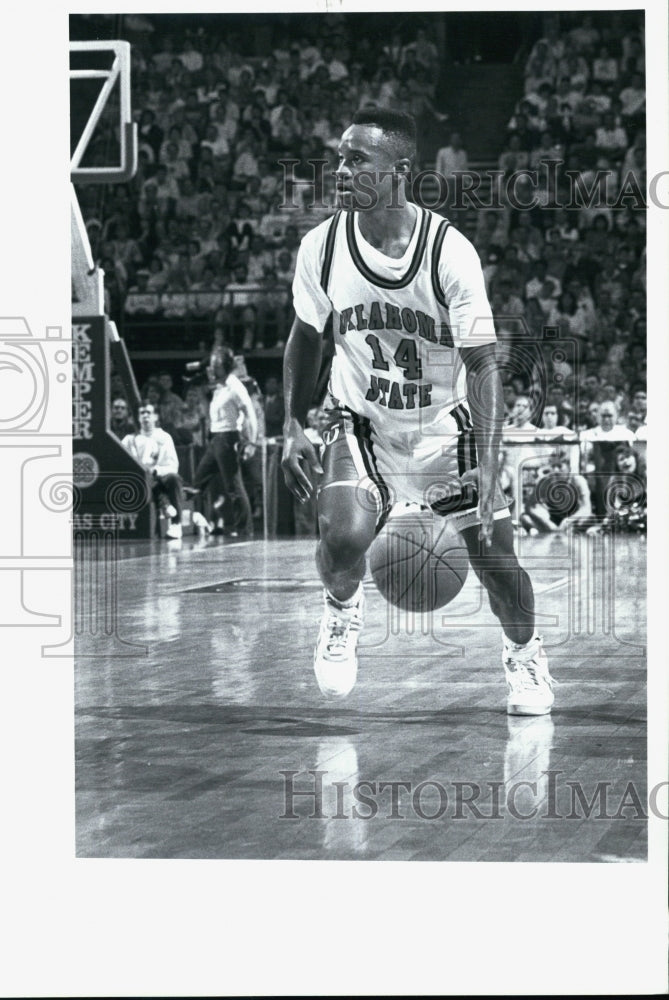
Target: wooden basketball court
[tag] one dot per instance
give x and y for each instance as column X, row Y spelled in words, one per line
column 197, row 741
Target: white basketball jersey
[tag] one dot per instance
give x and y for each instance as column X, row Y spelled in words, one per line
column 398, row 324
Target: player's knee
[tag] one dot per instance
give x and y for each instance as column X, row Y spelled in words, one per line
column 345, row 542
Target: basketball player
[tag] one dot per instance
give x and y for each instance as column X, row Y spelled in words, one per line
column 415, row 399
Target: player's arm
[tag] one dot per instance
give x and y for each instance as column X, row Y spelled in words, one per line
column 302, row 362
column 486, row 404
column 473, row 331
column 301, row 365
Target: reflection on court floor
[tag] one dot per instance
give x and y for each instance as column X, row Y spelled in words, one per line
column 201, row 733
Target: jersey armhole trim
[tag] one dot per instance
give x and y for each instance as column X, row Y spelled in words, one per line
column 436, row 254
column 329, row 252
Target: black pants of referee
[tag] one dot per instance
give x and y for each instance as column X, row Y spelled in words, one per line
column 222, row 457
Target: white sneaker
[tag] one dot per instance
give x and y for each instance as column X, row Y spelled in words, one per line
column 174, row 531
column 169, row 510
column 530, row 686
column 335, row 657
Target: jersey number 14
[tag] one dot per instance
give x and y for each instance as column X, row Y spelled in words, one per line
column 405, row 357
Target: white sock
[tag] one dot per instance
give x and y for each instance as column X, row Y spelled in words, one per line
column 509, row 643
column 349, row 602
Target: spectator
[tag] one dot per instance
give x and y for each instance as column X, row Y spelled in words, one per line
column 195, row 416
column 154, row 449
column 625, row 495
column 610, row 138
column 605, row 67
column 514, row 158
column 564, row 496
column 229, row 402
column 640, row 404
column 598, row 451
column 141, row 300
column 451, row 158
column 633, row 102
column 121, row 423
column 239, row 311
column 170, row 405
column 550, row 427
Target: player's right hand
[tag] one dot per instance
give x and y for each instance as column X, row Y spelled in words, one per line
column 298, row 452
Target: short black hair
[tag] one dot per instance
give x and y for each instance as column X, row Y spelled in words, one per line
column 399, row 125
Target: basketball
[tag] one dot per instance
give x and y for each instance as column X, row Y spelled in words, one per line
column 418, row 562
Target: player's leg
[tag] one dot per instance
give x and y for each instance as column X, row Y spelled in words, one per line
column 508, row 585
column 349, row 511
column 511, row 599
column 350, row 505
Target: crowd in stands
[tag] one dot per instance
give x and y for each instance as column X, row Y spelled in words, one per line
column 210, row 225
column 573, row 276
column 204, row 229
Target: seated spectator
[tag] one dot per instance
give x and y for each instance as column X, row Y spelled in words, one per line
column 175, row 298
column 275, row 309
column 170, row 405
column 584, row 36
column 157, row 275
column 215, row 141
column 239, row 310
column 167, row 190
column 206, row 294
column 451, row 158
column 611, row 139
column 149, row 135
column 121, row 423
column 633, row 421
column 535, row 282
column 141, row 301
column 548, row 150
column 564, row 496
column 605, row 67
column 242, row 229
column 625, row 494
column 510, row 304
column 269, row 181
column 175, row 137
column 550, row 427
column 640, row 403
column 514, row 158
column 246, row 163
column 520, row 426
column 224, row 120
column 599, row 100
column 633, row 102
column 187, row 201
column 154, row 449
